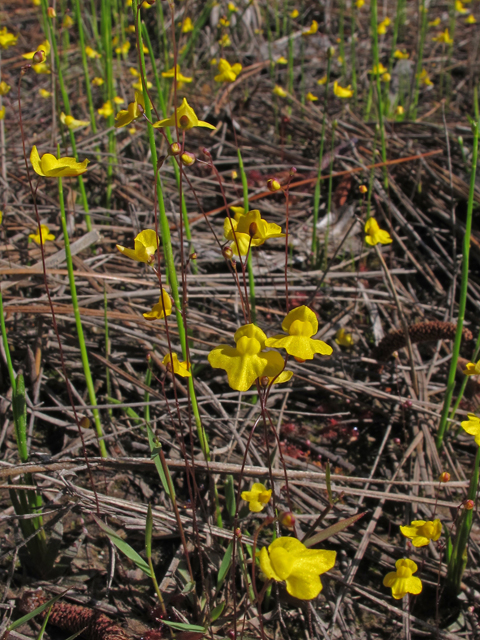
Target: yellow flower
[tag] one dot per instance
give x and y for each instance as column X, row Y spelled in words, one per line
column 224, row 22
column 472, row 369
column 44, row 234
column 421, row 532
column 301, row 324
column 36, row 3
column 44, row 47
column 187, row 25
column 138, row 86
column 7, row 39
column 281, row 60
column 401, row 581
column 72, row 123
column 340, row 60
column 225, row 40
column 382, row 27
column 459, row 8
column 386, row 77
column 180, row 368
column 378, row 70
column 287, row 559
column 342, row 92
column 124, row 49
column 434, row 23
column 322, row 80
column 232, row 8
column 41, row 67
column 444, row 37
column 44, row 93
column 2, row 113
column 91, row 53
column 51, row 167
column 294, row 14
column 118, row 100
column 374, row 234
column 359, row 3
column 4, row 88
column 399, row 111
column 234, row 174
column 249, row 230
column 343, row 338
column 107, row 109
column 312, row 29
column 472, row 427
column 97, row 82
column 257, row 497
column 131, row 28
column 180, row 77
column 246, row 362
column 157, row 309
column 279, row 91
column 146, row 244
column 425, row 78
column 186, row 119
column 471, row 19
column 227, row 72
column 67, row 22
column 401, row 55
column 310, row 97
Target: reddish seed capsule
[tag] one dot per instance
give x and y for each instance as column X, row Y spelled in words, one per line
column 51, row 12
column 293, row 171
column 238, row 533
column 287, row 519
column 193, row 256
column 231, row 635
column 264, row 381
column 397, row 441
column 39, row 56
column 468, row 505
column 183, row 122
column 362, row 188
column 444, row 477
column 85, row 423
column 227, row 253
column 407, row 404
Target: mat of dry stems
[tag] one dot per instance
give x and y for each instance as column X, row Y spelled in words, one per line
column 364, row 419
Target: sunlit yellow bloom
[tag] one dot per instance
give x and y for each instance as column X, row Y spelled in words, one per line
column 213, row 61
column 279, row 91
column 72, row 123
column 472, row 426
column 300, row 324
column 459, row 8
column 131, row 130
column 131, row 28
column 132, row 112
column 187, row 25
column 434, row 23
column 342, row 92
column 310, row 97
column 359, row 3
column 378, row 70
column 186, row 119
column 146, row 244
column 36, row 3
column 322, row 80
column 234, row 174
column 471, row 19
column 146, row 5
column 43, row 236
column 401, row 55
column 402, row 581
column 138, row 86
column 51, row 12
column 67, row 22
column 42, row 68
column 227, row 72
column 45, row 47
column 225, row 40
column 425, row 78
column 386, row 77
column 294, row 14
column 157, row 311
column 374, row 234
column 289, row 560
column 340, row 60
column 232, row 8
column 180, row 368
column 7, row 39
column 128, row 3
column 312, row 29
column 399, row 111
column 124, row 48
column 97, row 82
column 249, row 230
column 44, row 93
column 444, row 37
column 246, row 362
column 107, row 110
column 2, row 112
column 421, row 532
column 382, row 27
column 118, row 100
column 51, row 167
column 281, row 60
column 224, row 22
column 257, row 497
column 91, row 53
column 472, row 369
column 4, row 88
column 343, row 338
column 180, row 77
column 134, row 72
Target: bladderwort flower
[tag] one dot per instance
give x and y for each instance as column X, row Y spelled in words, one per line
column 378, row 69
column 7, row 39
column 227, row 72
column 44, row 46
column 420, row 532
column 180, row 368
column 472, row 426
column 279, row 91
column 300, row 324
column 157, row 312
column 124, row 48
column 375, row 235
column 382, row 27
column 42, row 236
column 444, row 37
column 472, row 369
column 323, row 80
column 425, row 78
column 402, row 581
column 310, row 97
column 434, row 23
column 43, row 93
column 134, row 110
column 225, row 40
column 281, row 60
column 401, row 55
column 72, row 123
column 67, row 22
column 343, row 338
column 187, row 25
column 471, row 19
column 49, row 166
column 459, row 8
column 2, row 112
column 91, row 53
column 181, row 79
column 4, row 88
column 186, row 119
column 97, row 81
column 106, row 110
column 312, row 29
column 342, row 92
column 359, row 3
column 249, row 230
column 294, row 14
column 258, row 497
column 146, row 244
column 287, row 559
column 42, row 68
column 247, row 361
column 138, row 86
column 232, row 8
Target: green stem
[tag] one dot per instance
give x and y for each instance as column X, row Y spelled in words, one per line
column 423, row 32
column 81, row 36
column 376, row 65
column 251, row 279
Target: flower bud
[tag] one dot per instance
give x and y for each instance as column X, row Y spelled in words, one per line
column 175, row 149
column 397, row 441
column 238, row 532
column 39, row 56
column 460, row 140
column 227, row 253
column 234, row 175
column 330, row 52
column 51, row 12
column 264, row 381
column 252, row 229
column 444, row 477
column 468, row 505
column 399, row 111
column 287, row 519
column 188, row 158
column 386, row 77
column 193, row 256
column 206, row 152
column 85, row 423
column 273, row 185
column 362, row 188
column 148, row 357
column 293, row 171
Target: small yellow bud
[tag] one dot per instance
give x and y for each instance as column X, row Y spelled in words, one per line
column 273, row 185
column 444, row 477
column 51, row 12
column 362, row 188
